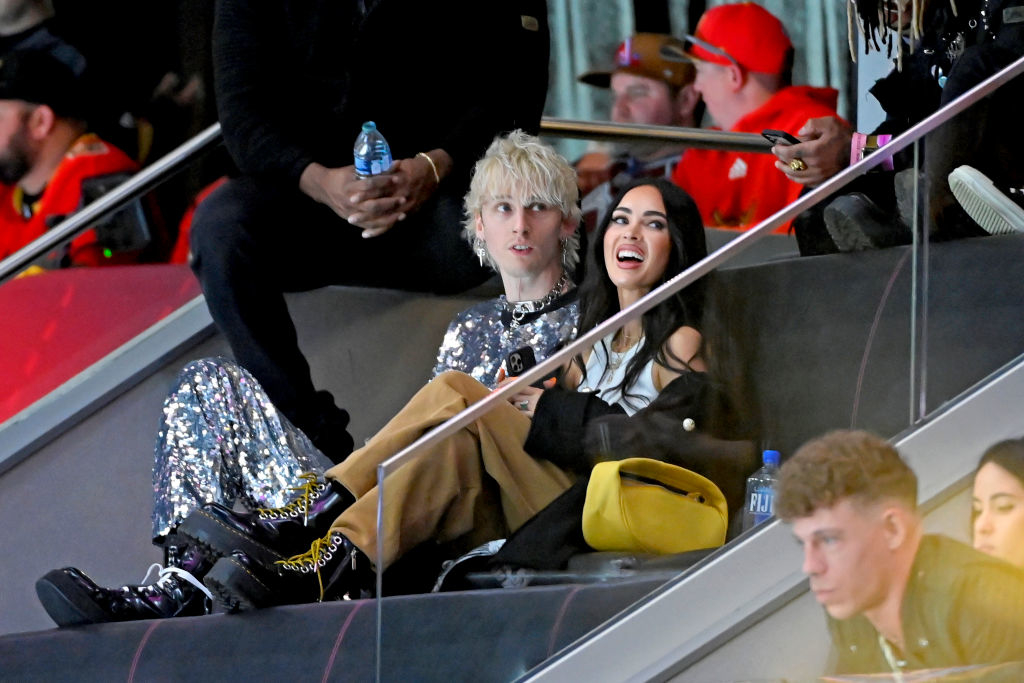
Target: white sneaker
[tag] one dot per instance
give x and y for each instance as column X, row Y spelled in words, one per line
column 995, row 212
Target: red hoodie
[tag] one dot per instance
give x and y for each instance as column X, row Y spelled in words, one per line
column 88, row 157
column 740, row 189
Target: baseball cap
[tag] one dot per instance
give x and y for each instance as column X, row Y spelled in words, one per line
column 38, row 77
column 654, row 55
column 743, row 33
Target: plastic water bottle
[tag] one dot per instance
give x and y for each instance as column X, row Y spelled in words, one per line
column 372, row 152
column 760, row 500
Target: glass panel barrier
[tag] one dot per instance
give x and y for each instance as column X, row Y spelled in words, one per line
column 969, row 205
column 937, row 323
column 800, row 345
column 90, row 285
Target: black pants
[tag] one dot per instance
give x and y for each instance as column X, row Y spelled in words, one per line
column 985, row 136
column 252, row 241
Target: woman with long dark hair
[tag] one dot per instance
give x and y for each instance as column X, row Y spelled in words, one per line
column 997, row 510
column 668, row 334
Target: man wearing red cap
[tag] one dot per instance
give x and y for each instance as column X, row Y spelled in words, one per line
column 744, row 62
column 651, row 83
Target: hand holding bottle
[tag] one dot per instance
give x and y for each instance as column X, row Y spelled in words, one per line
column 370, row 204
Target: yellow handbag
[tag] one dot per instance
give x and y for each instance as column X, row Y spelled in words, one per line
column 644, row 505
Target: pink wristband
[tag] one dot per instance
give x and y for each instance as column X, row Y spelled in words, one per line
column 857, row 142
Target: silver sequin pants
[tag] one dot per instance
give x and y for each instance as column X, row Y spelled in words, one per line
column 223, row 441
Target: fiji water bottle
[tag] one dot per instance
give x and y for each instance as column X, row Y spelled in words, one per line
column 372, row 153
column 760, row 500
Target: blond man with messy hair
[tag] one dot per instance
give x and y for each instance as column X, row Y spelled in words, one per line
column 520, row 166
column 897, row 599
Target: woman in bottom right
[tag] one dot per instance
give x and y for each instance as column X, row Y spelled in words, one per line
column 997, row 511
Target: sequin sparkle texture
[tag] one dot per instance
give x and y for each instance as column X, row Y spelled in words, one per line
column 478, row 339
column 222, row 441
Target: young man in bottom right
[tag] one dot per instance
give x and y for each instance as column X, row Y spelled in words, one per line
column 897, row 599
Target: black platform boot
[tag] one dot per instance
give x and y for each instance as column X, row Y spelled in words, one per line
column 269, row 535
column 71, row 598
column 332, row 569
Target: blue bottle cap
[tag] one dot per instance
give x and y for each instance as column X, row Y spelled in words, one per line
column 368, row 126
column 770, row 458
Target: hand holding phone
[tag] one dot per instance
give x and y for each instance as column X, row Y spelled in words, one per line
column 521, row 360
column 779, row 137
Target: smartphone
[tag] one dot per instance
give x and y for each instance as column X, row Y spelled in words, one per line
column 521, row 360
column 779, row 137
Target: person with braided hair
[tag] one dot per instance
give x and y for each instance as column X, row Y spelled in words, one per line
column 940, row 49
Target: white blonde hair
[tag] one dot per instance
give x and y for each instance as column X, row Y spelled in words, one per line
column 520, row 165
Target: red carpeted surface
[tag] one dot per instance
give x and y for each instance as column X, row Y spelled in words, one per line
column 58, row 323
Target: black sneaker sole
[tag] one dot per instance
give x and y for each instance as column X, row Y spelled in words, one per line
column 218, row 540
column 236, row 588
column 61, row 599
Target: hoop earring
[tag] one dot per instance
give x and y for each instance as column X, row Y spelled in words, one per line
column 480, row 250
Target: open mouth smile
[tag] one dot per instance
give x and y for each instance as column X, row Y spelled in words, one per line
column 629, row 255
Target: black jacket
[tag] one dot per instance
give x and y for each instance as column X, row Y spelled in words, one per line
column 960, row 607
column 295, row 80
column 577, row 430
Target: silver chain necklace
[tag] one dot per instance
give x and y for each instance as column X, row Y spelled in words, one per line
column 519, row 309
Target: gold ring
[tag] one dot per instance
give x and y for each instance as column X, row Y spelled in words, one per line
column 798, row 165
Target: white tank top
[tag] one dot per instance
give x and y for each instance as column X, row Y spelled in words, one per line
column 604, row 374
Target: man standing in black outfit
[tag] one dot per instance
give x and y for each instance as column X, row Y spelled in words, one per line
column 294, row 82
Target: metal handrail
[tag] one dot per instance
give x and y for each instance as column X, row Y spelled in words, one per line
column 154, row 174
column 136, row 186
column 696, row 271
column 690, row 137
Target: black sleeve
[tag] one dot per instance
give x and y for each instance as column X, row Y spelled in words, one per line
column 295, row 80
column 577, row 430
column 250, row 74
column 559, row 425
column 662, row 431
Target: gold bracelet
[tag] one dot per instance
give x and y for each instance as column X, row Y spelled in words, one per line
column 433, row 166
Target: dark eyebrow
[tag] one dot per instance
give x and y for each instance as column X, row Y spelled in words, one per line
column 624, row 208
column 655, row 213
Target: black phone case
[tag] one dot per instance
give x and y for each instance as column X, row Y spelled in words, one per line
column 519, row 361
column 777, row 137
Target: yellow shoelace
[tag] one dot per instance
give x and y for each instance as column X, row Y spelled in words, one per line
column 301, row 502
column 319, row 548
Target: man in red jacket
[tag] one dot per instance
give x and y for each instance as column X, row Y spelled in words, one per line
column 744, row 65
column 46, row 154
